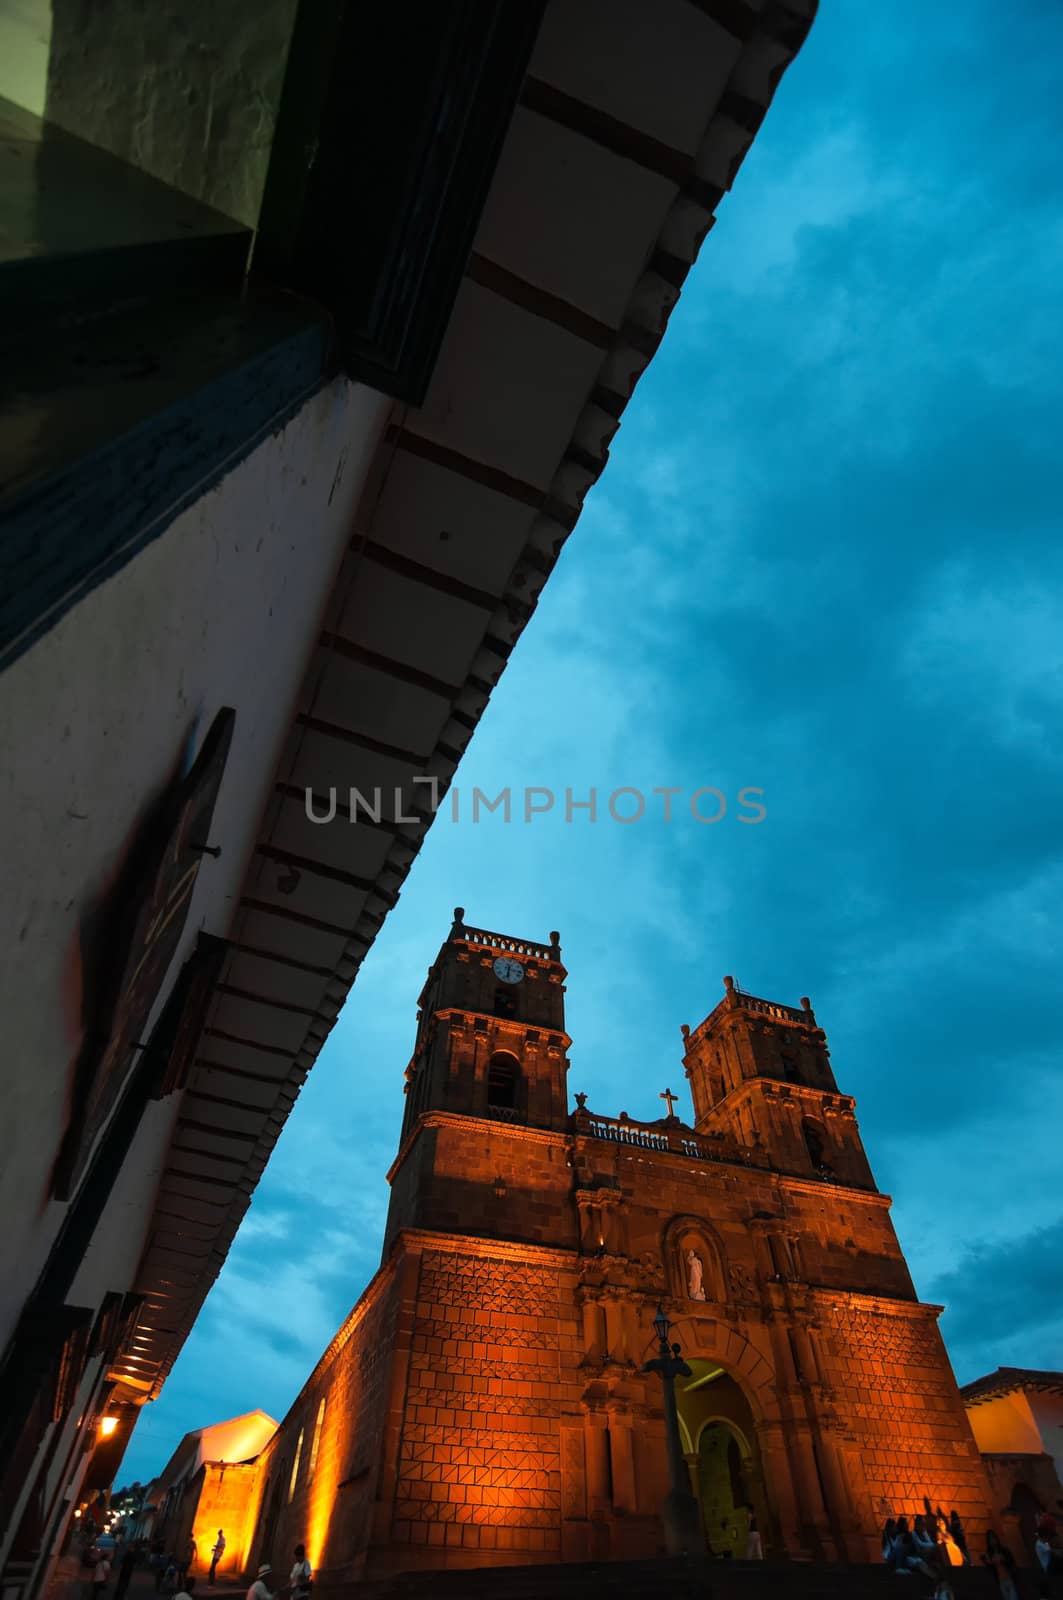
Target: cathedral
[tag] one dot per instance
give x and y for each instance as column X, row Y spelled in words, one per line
column 488, row 1399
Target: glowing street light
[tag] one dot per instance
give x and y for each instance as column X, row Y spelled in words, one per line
column 107, row 1426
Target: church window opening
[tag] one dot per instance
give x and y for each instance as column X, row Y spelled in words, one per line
column 502, row 1075
column 505, row 1003
column 316, row 1442
column 295, row 1467
column 790, row 1070
column 815, row 1144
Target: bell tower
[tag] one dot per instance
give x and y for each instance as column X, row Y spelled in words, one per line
column 760, row 1074
column 491, row 1038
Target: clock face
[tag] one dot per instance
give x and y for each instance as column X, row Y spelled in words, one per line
column 508, row 971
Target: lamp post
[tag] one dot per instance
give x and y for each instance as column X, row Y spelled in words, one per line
column 682, row 1521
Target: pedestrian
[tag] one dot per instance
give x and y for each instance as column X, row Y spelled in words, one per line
column 186, row 1563
column 959, row 1537
column 260, row 1589
column 754, row 1543
column 1000, row 1561
column 101, row 1574
column 1044, row 1553
column 126, row 1566
column 169, row 1577
column 216, row 1554
column 889, row 1539
column 923, row 1538
column 185, row 1593
column 949, row 1552
column 301, row 1582
column 1045, row 1526
column 909, row 1558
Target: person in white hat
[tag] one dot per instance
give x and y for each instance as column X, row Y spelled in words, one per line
column 260, row 1589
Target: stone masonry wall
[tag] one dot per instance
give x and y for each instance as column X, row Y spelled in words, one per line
column 494, row 1351
column 895, row 1391
column 326, row 1502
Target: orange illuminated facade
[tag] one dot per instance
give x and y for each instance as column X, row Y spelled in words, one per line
column 486, row 1402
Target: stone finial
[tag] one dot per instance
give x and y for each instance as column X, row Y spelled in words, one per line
column 806, row 1004
column 729, row 984
column 581, row 1101
column 458, row 925
column 555, row 942
column 684, row 1028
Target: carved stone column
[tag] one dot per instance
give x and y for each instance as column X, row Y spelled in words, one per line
column 593, row 1327
column 840, row 1509
column 815, row 1516
column 779, row 1487
column 622, row 1458
column 615, row 1332
column 599, row 1496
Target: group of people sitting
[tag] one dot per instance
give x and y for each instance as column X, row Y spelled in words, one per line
column 930, row 1545
column 933, row 1543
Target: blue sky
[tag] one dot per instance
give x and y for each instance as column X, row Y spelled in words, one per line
column 824, row 561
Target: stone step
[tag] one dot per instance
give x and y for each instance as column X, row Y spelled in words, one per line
column 667, row 1580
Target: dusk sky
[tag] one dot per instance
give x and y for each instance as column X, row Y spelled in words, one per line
column 824, row 561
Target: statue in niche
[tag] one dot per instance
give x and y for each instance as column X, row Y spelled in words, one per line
column 695, row 1276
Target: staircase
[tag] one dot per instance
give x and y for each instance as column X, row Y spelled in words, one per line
column 676, row 1580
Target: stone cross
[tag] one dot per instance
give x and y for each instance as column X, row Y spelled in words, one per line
column 671, row 1099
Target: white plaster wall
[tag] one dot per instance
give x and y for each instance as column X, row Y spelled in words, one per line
column 221, row 610
column 1005, row 1425
column 25, row 38
column 1047, row 1411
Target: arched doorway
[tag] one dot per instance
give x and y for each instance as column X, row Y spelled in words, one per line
column 1026, row 1503
column 720, row 1437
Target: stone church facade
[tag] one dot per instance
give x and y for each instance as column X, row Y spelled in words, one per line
column 485, row 1401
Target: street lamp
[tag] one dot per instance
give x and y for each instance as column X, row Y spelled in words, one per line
column 682, row 1521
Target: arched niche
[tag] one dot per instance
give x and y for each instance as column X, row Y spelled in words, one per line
column 694, row 1260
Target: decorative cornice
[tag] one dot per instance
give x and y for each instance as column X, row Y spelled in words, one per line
column 459, row 1244
column 515, row 1131
column 820, row 1187
column 461, row 1017
column 887, row 1305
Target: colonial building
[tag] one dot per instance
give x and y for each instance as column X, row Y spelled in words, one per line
column 486, row 1400
column 1016, row 1415
column 202, row 1490
column 318, row 322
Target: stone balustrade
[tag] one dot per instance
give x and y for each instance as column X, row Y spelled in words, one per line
column 675, row 1138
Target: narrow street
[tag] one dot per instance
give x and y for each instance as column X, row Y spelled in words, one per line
column 73, row 1582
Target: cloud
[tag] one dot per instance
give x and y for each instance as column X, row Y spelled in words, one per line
column 1005, row 1302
